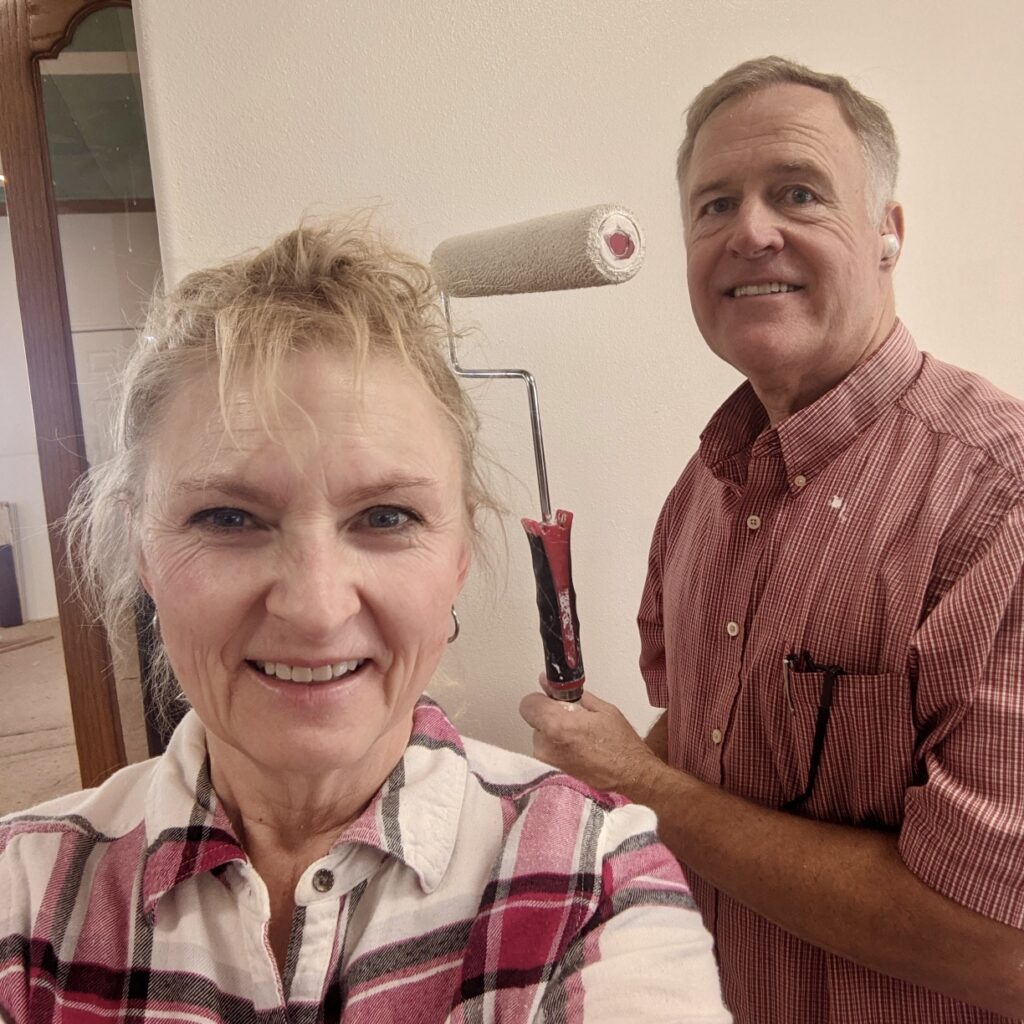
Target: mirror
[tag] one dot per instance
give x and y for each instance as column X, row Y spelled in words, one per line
column 96, row 140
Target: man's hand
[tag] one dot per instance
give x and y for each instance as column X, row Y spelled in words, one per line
column 591, row 740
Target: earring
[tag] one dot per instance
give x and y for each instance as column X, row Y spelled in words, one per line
column 154, row 625
column 890, row 246
column 455, row 632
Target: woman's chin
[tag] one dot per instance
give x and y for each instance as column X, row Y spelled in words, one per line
column 312, row 728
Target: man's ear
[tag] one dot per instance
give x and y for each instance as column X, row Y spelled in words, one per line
column 893, row 224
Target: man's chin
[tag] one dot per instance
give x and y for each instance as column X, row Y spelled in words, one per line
column 757, row 349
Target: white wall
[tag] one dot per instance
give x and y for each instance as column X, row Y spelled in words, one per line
column 459, row 114
column 111, row 260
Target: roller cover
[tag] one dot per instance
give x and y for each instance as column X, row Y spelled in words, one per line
column 578, row 249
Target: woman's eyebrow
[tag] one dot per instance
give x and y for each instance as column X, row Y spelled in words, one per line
column 226, row 485
column 389, row 485
column 235, row 488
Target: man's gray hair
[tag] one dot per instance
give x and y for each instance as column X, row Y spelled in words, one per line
column 868, row 119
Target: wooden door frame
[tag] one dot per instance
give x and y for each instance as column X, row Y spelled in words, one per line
column 31, row 30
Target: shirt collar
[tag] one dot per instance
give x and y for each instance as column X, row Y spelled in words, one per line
column 414, row 816
column 810, row 438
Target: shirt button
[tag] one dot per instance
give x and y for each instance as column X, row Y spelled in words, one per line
column 754, row 522
column 716, row 735
column 323, row 880
column 732, row 628
column 799, row 480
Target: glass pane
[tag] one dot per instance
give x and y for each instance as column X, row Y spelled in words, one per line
column 106, row 30
column 96, row 132
column 37, row 744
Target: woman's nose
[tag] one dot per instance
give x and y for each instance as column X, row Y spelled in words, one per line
column 755, row 230
column 316, row 588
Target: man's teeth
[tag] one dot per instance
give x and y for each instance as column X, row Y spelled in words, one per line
column 763, row 289
column 320, row 674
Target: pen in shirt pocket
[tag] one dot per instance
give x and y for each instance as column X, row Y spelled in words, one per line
column 793, row 662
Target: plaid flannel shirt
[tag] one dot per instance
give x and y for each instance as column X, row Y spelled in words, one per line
column 478, row 885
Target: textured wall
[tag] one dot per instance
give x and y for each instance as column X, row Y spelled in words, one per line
column 465, row 114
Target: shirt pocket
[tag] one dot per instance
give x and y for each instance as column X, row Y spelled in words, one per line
column 867, row 759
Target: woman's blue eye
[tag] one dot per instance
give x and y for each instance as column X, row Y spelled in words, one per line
column 227, row 519
column 388, row 517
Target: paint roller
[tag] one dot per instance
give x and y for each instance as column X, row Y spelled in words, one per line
column 585, row 248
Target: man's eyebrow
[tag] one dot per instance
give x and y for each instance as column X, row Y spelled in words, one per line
column 718, row 185
column 800, row 168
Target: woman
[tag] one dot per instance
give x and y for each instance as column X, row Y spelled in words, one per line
column 294, row 486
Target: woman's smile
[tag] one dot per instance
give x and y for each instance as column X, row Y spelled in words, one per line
column 305, row 673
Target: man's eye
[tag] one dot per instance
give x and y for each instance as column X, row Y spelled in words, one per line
column 719, row 205
column 388, row 517
column 227, row 520
column 801, row 196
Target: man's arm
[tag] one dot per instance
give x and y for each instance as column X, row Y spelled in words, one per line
column 657, row 737
column 841, row 888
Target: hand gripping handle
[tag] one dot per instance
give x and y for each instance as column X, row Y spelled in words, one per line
column 556, row 603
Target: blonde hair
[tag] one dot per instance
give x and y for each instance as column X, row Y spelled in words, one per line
column 867, row 119
column 327, row 287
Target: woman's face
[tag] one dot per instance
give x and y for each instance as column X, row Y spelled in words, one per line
column 304, row 577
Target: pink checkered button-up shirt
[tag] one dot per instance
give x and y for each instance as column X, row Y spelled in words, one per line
column 478, row 886
column 880, row 529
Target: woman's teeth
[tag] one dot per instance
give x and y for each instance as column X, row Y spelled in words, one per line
column 320, row 674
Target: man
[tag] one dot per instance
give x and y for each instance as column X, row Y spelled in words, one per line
column 834, row 612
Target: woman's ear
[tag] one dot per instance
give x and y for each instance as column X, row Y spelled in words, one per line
column 141, row 565
column 465, row 561
column 142, row 568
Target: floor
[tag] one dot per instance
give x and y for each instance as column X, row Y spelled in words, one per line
column 37, row 744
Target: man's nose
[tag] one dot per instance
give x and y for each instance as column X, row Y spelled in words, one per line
column 317, row 586
column 755, row 230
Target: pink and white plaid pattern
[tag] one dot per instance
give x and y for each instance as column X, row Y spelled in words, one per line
column 880, row 529
column 477, row 886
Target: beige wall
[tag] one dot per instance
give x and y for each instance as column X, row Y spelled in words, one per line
column 460, row 114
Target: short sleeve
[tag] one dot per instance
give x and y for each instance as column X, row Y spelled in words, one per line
column 963, row 829
column 649, row 619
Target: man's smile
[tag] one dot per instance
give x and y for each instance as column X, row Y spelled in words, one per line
column 767, row 288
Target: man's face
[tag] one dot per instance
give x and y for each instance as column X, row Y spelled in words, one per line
column 785, row 268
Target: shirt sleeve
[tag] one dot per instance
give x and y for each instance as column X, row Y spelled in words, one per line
column 645, row 955
column 649, row 619
column 963, row 829
column 13, row 937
